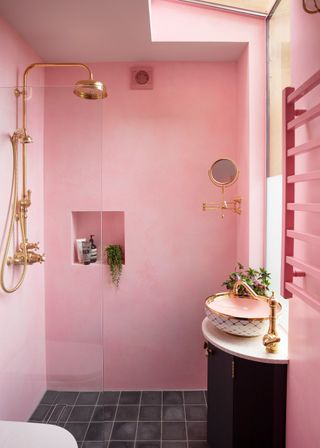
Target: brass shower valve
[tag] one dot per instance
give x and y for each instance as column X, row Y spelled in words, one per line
column 32, row 256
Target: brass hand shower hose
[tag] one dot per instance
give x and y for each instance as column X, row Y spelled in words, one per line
column 14, row 213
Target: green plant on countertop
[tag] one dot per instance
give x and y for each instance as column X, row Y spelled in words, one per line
column 259, row 280
column 114, row 258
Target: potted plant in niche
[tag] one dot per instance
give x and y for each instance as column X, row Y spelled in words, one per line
column 259, row 280
column 114, row 257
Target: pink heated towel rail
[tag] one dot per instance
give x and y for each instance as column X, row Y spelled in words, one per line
column 292, row 119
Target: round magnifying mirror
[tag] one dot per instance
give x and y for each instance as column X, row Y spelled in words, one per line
column 223, row 172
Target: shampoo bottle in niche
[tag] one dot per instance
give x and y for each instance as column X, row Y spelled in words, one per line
column 93, row 250
column 86, row 250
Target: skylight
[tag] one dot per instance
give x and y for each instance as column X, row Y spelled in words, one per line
column 258, row 7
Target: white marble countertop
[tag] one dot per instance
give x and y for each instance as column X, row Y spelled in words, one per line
column 248, row 348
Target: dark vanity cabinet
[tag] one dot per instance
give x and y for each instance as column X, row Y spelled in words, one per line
column 246, row 402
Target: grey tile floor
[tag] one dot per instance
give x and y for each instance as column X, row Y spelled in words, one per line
column 128, row 419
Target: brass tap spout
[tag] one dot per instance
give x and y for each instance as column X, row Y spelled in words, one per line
column 271, row 339
column 239, row 283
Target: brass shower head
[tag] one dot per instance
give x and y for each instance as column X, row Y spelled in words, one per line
column 90, row 89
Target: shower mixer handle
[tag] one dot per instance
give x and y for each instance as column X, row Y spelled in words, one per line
column 33, row 257
column 29, row 246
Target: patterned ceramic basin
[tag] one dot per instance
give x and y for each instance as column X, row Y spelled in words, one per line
column 239, row 315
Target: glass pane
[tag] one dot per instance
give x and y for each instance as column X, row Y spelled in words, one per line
column 51, row 327
column 72, row 212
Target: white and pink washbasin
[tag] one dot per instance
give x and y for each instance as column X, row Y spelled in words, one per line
column 34, row 435
column 239, row 315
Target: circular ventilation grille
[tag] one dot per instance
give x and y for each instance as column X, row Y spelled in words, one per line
column 142, row 77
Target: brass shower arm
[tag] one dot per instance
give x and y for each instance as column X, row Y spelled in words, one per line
column 54, row 64
column 44, row 65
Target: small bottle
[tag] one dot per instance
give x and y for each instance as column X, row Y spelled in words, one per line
column 93, row 251
column 86, row 250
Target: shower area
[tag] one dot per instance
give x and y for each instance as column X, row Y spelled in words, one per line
column 115, row 366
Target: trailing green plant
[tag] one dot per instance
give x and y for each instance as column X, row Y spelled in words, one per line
column 114, row 257
column 259, row 280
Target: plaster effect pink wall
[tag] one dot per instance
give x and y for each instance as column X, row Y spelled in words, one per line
column 157, row 148
column 172, row 21
column 22, row 327
column 304, row 329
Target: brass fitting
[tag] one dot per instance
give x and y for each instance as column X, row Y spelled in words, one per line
column 32, row 257
column 271, row 339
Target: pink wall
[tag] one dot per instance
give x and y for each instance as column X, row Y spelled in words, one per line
column 22, row 328
column 304, row 329
column 157, row 148
column 172, row 21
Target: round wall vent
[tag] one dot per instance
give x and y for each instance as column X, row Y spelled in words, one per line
column 141, row 78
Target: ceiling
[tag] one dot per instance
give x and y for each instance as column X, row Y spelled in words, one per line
column 102, row 30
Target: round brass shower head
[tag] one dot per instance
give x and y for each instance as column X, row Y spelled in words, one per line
column 90, row 89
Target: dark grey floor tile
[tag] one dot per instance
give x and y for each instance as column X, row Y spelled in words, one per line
column 78, row 430
column 109, row 397
column 88, row 398
column 198, row 445
column 196, row 412
column 127, row 413
column 149, row 431
column 104, row 413
column 197, row 430
column 81, row 414
column 65, row 413
column 140, row 444
column 174, row 444
column 124, row 431
column 150, row 413
column 173, row 413
column 49, row 397
column 67, row 397
column 172, row 397
column 99, row 431
column 94, row 445
column 130, row 397
column 55, row 413
column 151, row 397
column 194, row 397
column 117, row 444
column 174, row 431
column 41, row 413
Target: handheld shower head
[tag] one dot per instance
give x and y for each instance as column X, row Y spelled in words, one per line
column 90, row 89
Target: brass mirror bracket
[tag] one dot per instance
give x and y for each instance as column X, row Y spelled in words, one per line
column 271, row 339
column 233, row 205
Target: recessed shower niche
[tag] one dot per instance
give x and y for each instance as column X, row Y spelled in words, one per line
column 107, row 228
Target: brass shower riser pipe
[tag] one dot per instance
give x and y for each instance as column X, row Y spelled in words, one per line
column 24, row 114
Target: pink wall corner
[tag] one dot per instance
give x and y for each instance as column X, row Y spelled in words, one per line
column 176, row 22
column 243, row 158
column 22, row 324
column 304, row 330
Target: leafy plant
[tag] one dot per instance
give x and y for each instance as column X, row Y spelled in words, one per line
column 259, row 280
column 114, row 258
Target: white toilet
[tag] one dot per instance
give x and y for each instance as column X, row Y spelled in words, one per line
column 34, row 435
